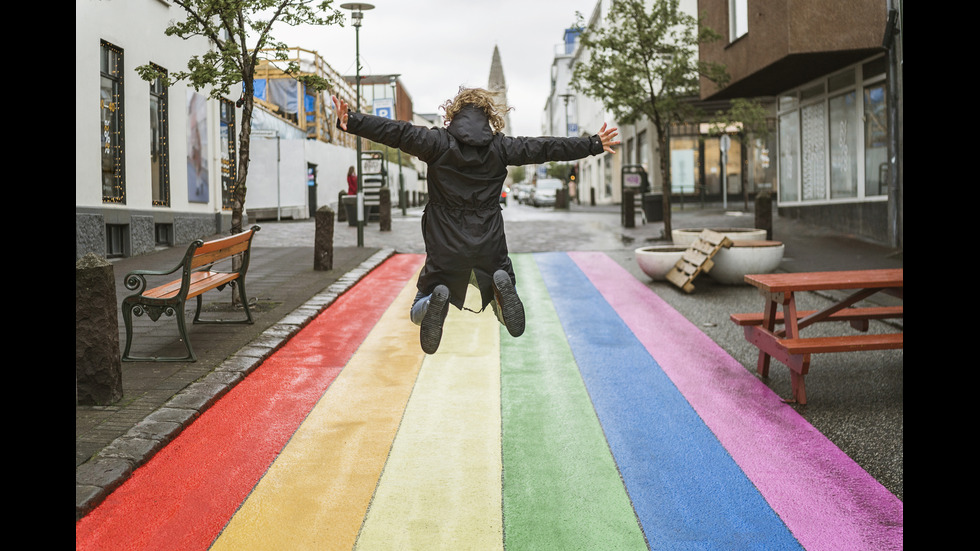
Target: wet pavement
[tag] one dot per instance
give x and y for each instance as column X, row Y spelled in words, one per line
column 856, row 400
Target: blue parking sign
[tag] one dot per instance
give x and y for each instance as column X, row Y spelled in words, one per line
column 384, row 108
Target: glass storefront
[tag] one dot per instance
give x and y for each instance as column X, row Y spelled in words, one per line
column 821, row 129
column 696, row 163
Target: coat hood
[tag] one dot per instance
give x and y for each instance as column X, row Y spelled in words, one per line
column 471, row 126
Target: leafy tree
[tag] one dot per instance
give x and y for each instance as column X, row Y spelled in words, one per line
column 644, row 63
column 240, row 31
column 559, row 170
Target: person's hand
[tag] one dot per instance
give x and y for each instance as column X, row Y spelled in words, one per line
column 341, row 107
column 607, row 137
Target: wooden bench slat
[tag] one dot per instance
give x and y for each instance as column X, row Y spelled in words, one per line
column 200, row 282
column 848, row 343
column 848, row 314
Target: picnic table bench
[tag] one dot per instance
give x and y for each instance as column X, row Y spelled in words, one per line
column 198, row 275
column 786, row 344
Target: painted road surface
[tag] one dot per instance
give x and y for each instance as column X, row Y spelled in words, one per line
column 612, row 423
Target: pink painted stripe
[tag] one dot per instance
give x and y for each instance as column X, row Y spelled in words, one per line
column 826, row 499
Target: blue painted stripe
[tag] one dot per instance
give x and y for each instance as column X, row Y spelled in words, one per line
column 687, row 491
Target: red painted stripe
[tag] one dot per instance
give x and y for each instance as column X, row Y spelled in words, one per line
column 184, row 496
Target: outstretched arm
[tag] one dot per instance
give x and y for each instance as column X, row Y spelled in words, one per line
column 423, row 143
column 522, row 151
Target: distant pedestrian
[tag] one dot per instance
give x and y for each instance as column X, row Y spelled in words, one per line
column 462, row 225
column 351, row 182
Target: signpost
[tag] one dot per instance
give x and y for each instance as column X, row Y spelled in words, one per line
column 726, row 144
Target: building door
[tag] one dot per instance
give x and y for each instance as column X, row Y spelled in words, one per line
column 714, row 172
column 311, row 187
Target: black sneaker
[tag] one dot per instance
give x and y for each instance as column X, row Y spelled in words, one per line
column 510, row 304
column 431, row 333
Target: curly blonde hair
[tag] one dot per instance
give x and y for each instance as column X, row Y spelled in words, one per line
column 486, row 100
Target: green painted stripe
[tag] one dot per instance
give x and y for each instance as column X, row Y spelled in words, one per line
column 561, row 487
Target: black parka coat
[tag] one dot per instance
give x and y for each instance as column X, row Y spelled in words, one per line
column 462, row 225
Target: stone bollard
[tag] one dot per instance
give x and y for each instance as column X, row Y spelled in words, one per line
column 98, row 364
column 341, row 211
column 763, row 212
column 629, row 205
column 385, row 210
column 323, row 239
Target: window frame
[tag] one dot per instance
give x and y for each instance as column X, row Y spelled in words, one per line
column 819, row 93
column 738, row 19
column 160, row 142
column 112, row 121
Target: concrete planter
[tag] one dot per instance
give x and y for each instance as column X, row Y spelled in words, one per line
column 685, row 236
column 656, row 261
column 746, row 257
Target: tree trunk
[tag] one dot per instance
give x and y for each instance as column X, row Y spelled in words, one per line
column 238, row 198
column 665, row 179
column 244, row 140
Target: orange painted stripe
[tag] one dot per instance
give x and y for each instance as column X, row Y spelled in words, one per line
column 316, row 493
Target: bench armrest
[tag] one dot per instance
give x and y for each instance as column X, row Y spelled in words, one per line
column 136, row 280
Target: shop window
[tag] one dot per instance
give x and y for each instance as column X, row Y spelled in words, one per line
column 789, row 157
column 875, row 140
column 159, row 143
column 813, row 168
column 684, row 162
column 833, row 137
column 111, row 124
column 843, row 146
column 228, row 172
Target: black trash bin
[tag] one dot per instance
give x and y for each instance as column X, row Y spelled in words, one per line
column 350, row 208
column 653, row 207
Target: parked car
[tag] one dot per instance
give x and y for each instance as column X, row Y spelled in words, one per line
column 504, row 192
column 521, row 192
column 543, row 194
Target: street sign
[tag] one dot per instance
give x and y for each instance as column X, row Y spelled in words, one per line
column 726, row 143
column 371, row 162
column 385, row 108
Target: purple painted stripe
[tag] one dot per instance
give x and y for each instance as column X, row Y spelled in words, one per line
column 826, row 499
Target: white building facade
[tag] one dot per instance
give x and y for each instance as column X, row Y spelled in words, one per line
column 160, row 168
column 151, row 164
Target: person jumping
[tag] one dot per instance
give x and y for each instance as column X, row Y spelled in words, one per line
column 462, row 224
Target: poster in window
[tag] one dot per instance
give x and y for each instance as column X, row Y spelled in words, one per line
column 197, row 148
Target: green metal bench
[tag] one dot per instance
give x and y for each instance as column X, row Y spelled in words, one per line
column 198, row 275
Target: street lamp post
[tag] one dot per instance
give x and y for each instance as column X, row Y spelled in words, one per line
column 394, row 115
column 567, row 97
column 357, row 14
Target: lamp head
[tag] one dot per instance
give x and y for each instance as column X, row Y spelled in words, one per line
column 357, row 9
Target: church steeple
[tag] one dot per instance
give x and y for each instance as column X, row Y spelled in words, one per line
column 498, row 84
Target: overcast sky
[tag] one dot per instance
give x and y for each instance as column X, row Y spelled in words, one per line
column 439, row 45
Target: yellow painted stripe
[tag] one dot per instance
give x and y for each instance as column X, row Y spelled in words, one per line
column 441, row 488
column 316, row 493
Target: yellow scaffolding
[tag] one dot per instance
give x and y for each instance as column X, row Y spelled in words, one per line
column 319, row 122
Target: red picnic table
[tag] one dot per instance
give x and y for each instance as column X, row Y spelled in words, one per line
column 786, row 345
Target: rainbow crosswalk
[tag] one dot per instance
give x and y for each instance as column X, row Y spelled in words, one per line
column 613, row 423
